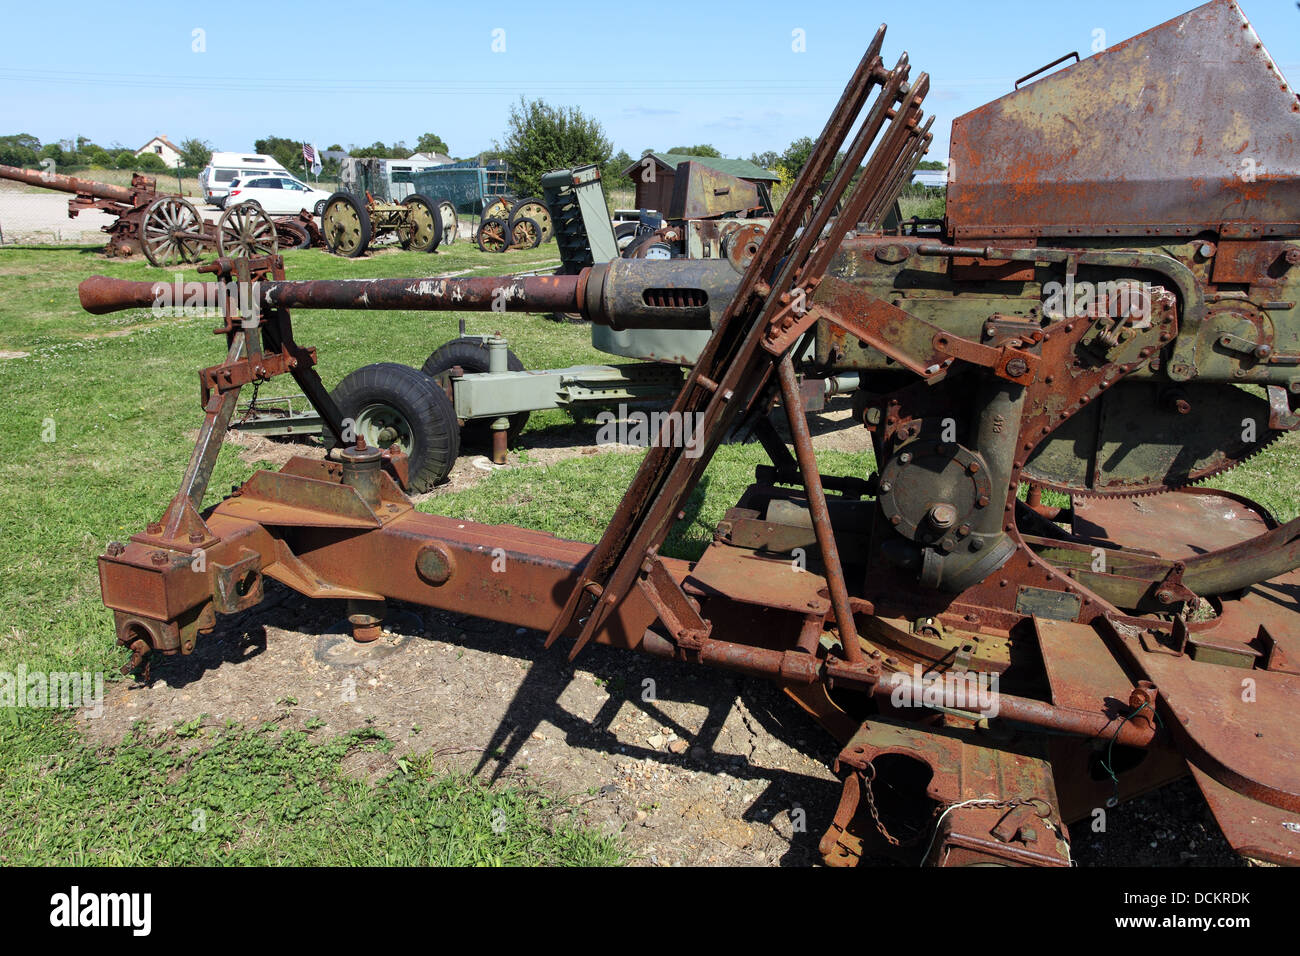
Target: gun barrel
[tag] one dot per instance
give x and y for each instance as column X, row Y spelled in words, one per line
column 67, row 184
column 624, row 294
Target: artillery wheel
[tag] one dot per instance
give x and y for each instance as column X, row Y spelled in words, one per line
column 536, row 210
column 346, row 225
column 422, row 230
column 450, row 222
column 498, row 208
column 471, row 354
column 245, row 230
column 171, row 232
column 292, row 234
column 392, row 404
column 492, row 236
column 525, row 233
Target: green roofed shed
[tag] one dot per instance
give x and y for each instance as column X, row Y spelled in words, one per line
column 654, row 183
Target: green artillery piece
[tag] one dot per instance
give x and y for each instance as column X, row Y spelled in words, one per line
column 368, row 210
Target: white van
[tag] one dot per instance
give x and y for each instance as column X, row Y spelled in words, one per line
column 225, row 168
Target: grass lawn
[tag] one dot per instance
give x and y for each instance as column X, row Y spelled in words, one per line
column 97, row 412
column 117, row 395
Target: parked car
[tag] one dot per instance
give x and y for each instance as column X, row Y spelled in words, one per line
column 225, row 168
column 278, row 195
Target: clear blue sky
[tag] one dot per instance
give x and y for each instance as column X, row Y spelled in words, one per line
column 655, row 74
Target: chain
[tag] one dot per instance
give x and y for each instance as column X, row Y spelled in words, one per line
column 252, row 405
column 869, row 774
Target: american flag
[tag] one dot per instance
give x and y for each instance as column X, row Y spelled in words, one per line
column 311, row 158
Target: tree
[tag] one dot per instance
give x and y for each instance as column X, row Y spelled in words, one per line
column 705, row 150
column 613, row 171
column 930, row 164
column 20, row 149
column 767, row 160
column 125, row 159
column 195, row 153
column 150, row 163
column 540, row 138
column 431, row 143
column 287, row 152
column 335, row 148
column 794, row 157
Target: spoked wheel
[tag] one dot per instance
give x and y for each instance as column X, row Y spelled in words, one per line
column 172, row 232
column 422, row 230
column 346, row 225
column 245, row 230
column 535, row 210
column 525, row 233
column 498, row 208
column 389, row 404
column 492, row 236
column 471, row 354
column 292, row 234
column 450, row 222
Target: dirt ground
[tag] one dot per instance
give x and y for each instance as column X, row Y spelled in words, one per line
column 707, row 768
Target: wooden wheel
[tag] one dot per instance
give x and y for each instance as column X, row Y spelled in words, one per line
column 246, row 230
column 492, row 236
column 172, row 232
column 525, row 233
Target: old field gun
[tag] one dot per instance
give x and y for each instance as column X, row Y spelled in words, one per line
column 1017, row 665
column 167, row 228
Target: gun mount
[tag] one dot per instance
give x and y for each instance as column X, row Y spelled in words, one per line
column 1003, row 648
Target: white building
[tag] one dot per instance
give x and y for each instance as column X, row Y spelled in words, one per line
column 164, row 149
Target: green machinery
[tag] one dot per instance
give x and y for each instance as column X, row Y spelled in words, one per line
column 378, row 200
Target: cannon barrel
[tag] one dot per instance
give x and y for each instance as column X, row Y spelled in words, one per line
column 623, row 294
column 68, row 184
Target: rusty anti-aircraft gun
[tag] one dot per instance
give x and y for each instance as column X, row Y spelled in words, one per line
column 1119, row 630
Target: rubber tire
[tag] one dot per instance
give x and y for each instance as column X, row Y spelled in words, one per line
column 471, row 354
column 435, row 213
column 362, row 214
column 435, row 437
column 318, row 210
column 628, row 231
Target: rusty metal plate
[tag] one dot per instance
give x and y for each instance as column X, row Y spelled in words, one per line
column 1182, row 128
column 1183, row 524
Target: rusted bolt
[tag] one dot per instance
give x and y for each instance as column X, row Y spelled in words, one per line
column 115, row 548
column 905, row 457
column 973, row 467
column 1263, row 351
column 158, row 557
column 943, row 515
column 1017, row 367
column 154, row 527
column 886, row 487
column 196, row 537
column 1293, row 257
